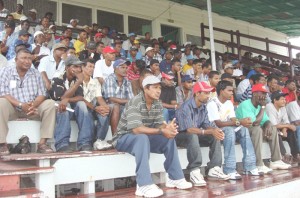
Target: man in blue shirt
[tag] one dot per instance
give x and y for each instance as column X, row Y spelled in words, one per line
column 195, row 129
column 256, row 70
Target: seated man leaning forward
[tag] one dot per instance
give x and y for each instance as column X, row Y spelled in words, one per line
column 221, row 111
column 67, row 90
column 22, row 95
column 142, row 130
column 196, row 129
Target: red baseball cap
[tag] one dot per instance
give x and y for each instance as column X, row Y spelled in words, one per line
column 109, row 50
column 259, row 88
column 168, row 77
column 99, row 34
column 202, row 87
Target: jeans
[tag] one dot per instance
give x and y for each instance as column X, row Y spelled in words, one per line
column 102, row 126
column 192, row 144
column 298, row 136
column 168, row 114
column 292, row 141
column 141, row 145
column 84, row 121
column 249, row 160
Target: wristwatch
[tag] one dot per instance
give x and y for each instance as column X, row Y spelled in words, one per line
column 160, row 131
column 263, row 107
column 19, row 107
column 237, row 122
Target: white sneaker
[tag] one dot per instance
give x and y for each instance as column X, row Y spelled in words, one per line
column 216, row 172
column 101, row 145
column 234, row 176
column 179, row 183
column 148, row 191
column 197, row 178
column 254, row 172
column 264, row 169
column 279, row 165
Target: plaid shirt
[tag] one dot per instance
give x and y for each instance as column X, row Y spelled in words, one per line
column 180, row 97
column 24, row 90
column 130, row 73
column 91, row 90
column 157, row 57
column 111, row 88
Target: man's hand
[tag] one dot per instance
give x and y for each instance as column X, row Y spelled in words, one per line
column 79, row 76
column 63, row 105
column 268, row 130
column 103, row 110
column 171, row 129
column 292, row 127
column 246, row 122
column 218, row 133
column 262, row 100
column 31, row 110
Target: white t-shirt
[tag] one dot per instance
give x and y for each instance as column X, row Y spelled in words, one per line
column 43, row 50
column 244, row 84
column 293, row 111
column 48, row 65
column 220, row 111
column 102, row 70
column 237, row 72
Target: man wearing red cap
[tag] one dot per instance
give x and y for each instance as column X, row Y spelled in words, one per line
column 261, row 128
column 196, row 129
column 104, row 67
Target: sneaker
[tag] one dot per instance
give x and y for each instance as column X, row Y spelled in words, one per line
column 44, row 148
column 179, row 183
column 148, row 191
column 234, row 176
column 4, row 149
column 254, row 172
column 101, row 145
column 279, row 165
column 287, row 158
column 216, row 172
column 264, row 169
column 86, row 147
column 65, row 149
column 197, row 178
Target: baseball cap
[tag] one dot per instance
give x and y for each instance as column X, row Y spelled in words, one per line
column 109, row 50
column 259, row 88
column 24, row 32
column 48, row 31
column 72, row 60
column 37, row 33
column 149, row 49
column 234, row 62
column 226, row 75
column 153, row 61
column 150, row 80
column 119, row 62
column 20, row 42
column 190, row 57
column 74, row 20
column 202, row 87
column 131, row 34
column 166, row 76
column 133, row 48
column 186, row 78
column 136, row 41
column 228, row 65
column 58, row 45
column 91, row 45
column 65, row 37
column 277, row 94
column 33, row 10
column 169, row 52
column 173, row 47
column 187, row 43
column 10, row 24
column 52, row 26
column 99, row 34
column 23, row 18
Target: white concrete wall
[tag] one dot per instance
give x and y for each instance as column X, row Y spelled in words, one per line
column 185, row 17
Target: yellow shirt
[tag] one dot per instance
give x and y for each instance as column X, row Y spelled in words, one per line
column 79, row 46
column 186, row 67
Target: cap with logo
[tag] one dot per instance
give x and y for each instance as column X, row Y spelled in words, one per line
column 259, row 88
column 167, row 76
column 202, row 87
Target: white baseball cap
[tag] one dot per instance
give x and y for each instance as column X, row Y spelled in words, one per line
column 150, row 80
column 33, row 10
column 149, row 48
column 37, row 33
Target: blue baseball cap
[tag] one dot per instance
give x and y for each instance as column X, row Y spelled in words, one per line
column 119, row 62
column 190, row 57
column 20, row 42
column 131, row 34
column 186, row 78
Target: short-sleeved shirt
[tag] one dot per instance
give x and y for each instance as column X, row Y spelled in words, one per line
column 24, row 90
column 180, row 96
column 220, row 111
column 191, row 116
column 291, row 95
column 293, row 111
column 277, row 117
column 59, row 85
column 130, row 73
column 91, row 90
column 246, row 109
column 111, row 88
column 165, row 66
column 49, row 66
column 102, row 70
column 79, row 46
column 136, row 114
column 167, row 94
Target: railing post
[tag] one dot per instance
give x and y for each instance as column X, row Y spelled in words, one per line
column 268, row 50
column 238, row 42
column 202, row 34
column 232, row 41
column 291, row 58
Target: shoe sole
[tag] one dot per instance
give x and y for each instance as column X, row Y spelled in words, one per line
column 172, row 186
column 142, row 195
column 217, row 178
column 279, row 168
column 249, row 174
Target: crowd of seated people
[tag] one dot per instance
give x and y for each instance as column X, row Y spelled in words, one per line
column 145, row 90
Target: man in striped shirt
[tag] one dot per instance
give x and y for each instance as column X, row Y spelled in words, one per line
column 142, row 130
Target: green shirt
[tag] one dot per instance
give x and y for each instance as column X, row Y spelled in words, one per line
column 246, row 109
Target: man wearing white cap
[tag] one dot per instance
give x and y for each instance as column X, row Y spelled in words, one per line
column 142, row 131
column 32, row 16
column 73, row 23
column 148, row 56
column 38, row 49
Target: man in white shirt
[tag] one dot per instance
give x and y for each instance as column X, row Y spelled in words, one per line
column 293, row 111
column 221, row 111
column 104, row 67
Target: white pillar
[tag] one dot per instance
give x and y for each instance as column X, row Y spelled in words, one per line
column 211, row 36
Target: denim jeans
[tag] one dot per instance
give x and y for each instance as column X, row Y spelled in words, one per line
column 249, row 160
column 298, row 137
column 192, row 144
column 140, row 146
column 168, row 114
column 102, row 126
column 63, row 126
